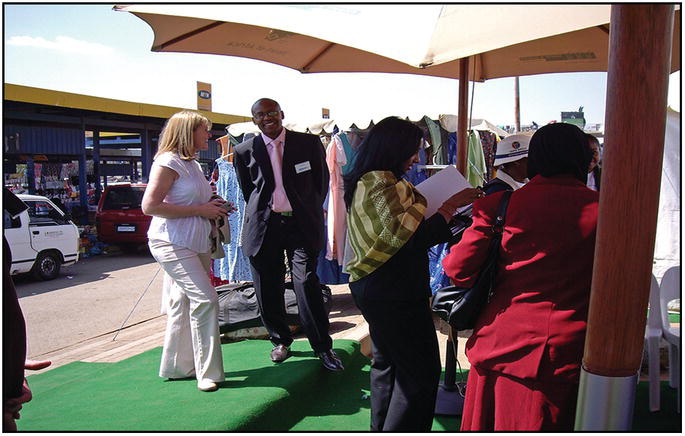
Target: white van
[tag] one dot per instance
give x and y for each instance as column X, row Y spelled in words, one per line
column 41, row 239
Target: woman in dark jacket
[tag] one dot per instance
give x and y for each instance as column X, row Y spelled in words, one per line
column 527, row 345
column 389, row 276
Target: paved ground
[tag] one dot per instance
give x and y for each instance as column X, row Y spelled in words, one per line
column 76, row 317
column 89, row 299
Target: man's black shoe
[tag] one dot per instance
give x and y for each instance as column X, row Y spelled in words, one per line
column 330, row 361
column 280, row 353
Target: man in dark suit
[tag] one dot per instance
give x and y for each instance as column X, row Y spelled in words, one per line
column 284, row 179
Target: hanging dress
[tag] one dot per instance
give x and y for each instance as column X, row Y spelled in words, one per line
column 336, row 221
column 234, row 266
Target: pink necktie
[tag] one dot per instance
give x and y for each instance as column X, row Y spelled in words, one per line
column 279, row 198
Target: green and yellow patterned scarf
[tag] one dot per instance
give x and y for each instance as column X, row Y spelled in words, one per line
column 385, row 213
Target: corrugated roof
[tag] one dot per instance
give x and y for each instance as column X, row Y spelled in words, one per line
column 28, row 94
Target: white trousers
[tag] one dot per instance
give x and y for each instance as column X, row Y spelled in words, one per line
column 192, row 345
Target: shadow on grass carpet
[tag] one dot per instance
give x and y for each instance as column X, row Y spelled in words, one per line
column 257, row 395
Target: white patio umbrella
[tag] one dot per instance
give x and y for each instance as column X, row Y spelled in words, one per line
column 426, row 39
column 474, row 42
column 502, row 40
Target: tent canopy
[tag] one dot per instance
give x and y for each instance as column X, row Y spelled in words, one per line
column 448, row 122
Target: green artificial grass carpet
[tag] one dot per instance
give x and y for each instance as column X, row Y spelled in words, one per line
column 128, row 395
column 257, row 395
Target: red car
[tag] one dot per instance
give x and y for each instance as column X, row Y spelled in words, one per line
column 119, row 217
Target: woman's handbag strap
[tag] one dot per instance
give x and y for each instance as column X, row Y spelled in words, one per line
column 498, row 227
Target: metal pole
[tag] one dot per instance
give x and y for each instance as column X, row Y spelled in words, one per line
column 145, row 153
column 450, row 398
column 605, row 403
column 31, row 175
column 137, row 302
column 82, row 174
column 96, row 162
column 637, row 85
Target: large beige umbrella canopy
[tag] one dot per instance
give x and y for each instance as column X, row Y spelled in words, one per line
column 425, row 39
column 501, row 40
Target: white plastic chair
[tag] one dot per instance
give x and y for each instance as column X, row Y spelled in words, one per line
column 670, row 290
column 652, row 338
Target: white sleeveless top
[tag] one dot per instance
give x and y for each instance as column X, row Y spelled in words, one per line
column 190, row 188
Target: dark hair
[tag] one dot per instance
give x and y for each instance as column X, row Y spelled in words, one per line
column 591, row 138
column 264, row 100
column 559, row 148
column 387, row 146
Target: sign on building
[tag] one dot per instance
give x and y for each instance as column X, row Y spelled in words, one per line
column 204, row 96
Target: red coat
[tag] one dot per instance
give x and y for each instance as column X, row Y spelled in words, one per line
column 534, row 325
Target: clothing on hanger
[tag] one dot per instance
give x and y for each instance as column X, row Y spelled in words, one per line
column 452, row 148
column 475, row 168
column 234, row 266
column 489, row 142
column 438, row 148
column 438, row 278
column 330, row 272
column 350, row 153
column 415, row 175
column 336, row 220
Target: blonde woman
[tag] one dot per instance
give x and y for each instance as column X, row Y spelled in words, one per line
column 178, row 198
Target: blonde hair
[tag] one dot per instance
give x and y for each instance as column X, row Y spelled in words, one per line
column 177, row 134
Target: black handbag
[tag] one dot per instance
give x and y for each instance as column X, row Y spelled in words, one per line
column 460, row 307
column 458, row 224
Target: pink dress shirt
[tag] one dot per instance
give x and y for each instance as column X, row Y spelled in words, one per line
column 279, row 199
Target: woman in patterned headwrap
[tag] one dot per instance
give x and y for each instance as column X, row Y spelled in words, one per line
column 389, row 276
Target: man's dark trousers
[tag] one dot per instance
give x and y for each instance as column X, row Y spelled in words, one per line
column 283, row 234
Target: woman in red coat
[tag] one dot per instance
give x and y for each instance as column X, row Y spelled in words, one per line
column 527, row 345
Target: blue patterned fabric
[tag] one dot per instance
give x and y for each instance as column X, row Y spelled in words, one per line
column 330, row 272
column 234, row 266
column 438, row 278
column 452, row 149
column 414, row 175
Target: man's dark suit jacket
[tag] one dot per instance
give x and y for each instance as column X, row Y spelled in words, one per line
column 306, row 189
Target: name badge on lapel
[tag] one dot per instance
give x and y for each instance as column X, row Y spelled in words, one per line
column 302, row 167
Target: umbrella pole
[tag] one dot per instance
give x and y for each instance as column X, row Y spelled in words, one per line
column 637, row 85
column 462, row 115
column 517, row 106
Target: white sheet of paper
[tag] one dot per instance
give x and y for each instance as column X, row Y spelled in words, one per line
column 441, row 186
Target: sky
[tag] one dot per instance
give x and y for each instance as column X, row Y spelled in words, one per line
column 93, row 50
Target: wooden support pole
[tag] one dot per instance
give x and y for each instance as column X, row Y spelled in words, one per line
column 637, row 87
column 517, row 105
column 462, row 116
